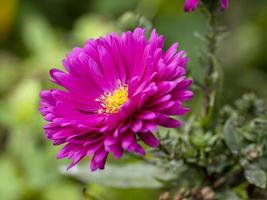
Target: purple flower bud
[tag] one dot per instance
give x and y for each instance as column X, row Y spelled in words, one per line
column 190, row 5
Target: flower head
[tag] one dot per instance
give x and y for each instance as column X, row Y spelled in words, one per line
column 191, row 5
column 116, row 89
column 224, row 4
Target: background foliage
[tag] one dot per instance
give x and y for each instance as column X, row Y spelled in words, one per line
column 35, row 35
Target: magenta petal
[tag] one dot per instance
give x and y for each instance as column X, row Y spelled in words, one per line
column 127, row 140
column 170, row 52
column 76, row 158
column 190, row 5
column 65, row 151
column 137, row 126
column 168, row 122
column 110, row 140
column 117, row 151
column 99, row 160
column 147, row 115
column 152, row 127
column 183, row 95
column 149, row 139
column 224, row 4
column 136, row 148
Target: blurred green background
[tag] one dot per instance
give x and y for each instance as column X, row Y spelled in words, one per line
column 35, row 35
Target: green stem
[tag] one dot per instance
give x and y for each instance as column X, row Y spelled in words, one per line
column 213, row 74
column 212, row 45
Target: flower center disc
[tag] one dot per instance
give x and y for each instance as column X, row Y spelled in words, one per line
column 111, row 102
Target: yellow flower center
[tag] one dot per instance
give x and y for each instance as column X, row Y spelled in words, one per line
column 111, row 102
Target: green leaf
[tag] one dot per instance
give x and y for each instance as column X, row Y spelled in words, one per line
column 263, row 163
column 62, row 190
column 227, row 195
column 133, row 175
column 36, row 176
column 131, row 20
column 24, row 101
column 256, row 177
column 35, row 28
column 97, row 192
column 92, row 26
column 241, row 191
column 11, row 183
column 9, row 72
column 231, row 136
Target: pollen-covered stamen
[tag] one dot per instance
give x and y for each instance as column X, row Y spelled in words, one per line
column 111, row 102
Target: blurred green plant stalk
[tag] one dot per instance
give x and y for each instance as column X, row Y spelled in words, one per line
column 215, row 148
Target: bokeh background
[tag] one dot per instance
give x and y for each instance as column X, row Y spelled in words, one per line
column 35, row 35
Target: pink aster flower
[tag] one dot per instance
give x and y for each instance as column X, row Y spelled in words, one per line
column 190, row 5
column 116, row 91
